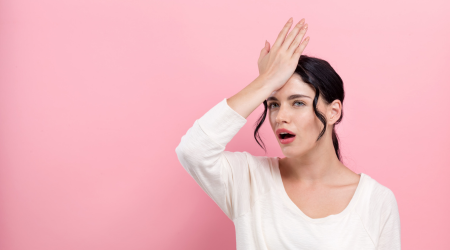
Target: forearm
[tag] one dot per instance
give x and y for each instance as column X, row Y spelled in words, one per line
column 249, row 98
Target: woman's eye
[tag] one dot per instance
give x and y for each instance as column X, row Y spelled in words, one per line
column 271, row 104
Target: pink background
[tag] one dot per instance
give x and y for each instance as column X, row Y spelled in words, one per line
column 95, row 96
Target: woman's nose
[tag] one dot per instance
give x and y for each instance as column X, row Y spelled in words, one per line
column 280, row 120
column 281, row 116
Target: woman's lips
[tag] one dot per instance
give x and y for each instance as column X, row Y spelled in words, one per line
column 287, row 140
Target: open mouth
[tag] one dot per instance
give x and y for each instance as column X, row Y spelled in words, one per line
column 285, row 136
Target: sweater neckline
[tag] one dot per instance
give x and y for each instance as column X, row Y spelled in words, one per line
column 330, row 218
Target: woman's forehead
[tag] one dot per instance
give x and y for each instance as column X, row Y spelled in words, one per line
column 294, row 86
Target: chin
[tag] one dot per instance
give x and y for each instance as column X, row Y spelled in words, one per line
column 290, row 151
column 295, row 150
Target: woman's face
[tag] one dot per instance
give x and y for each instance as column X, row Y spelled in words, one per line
column 296, row 114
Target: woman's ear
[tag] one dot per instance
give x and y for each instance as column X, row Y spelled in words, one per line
column 335, row 111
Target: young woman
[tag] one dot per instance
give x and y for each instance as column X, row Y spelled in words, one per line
column 309, row 199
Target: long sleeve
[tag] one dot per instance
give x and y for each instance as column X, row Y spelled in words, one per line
column 223, row 175
column 390, row 231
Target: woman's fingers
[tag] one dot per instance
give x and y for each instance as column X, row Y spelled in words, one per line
column 292, row 46
column 264, row 51
column 292, row 35
column 282, row 34
column 299, row 50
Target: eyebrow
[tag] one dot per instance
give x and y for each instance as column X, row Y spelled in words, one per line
column 289, row 98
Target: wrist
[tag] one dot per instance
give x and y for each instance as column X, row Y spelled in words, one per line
column 264, row 82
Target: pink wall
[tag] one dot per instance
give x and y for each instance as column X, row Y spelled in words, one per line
column 95, row 96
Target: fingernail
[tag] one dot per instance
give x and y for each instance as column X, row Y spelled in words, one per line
column 302, row 21
column 305, row 27
column 290, row 20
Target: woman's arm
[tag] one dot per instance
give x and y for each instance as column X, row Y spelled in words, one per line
column 249, row 98
column 223, row 175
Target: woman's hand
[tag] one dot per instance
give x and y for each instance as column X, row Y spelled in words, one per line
column 277, row 64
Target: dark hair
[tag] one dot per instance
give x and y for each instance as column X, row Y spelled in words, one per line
column 326, row 82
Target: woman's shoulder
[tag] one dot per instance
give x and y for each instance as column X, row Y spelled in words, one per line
column 374, row 198
column 253, row 159
column 374, row 190
column 376, row 205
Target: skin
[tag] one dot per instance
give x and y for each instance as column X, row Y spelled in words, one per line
column 313, row 177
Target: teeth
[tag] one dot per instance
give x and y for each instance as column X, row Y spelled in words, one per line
column 283, row 133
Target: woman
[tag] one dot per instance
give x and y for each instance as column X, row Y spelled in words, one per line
column 309, row 199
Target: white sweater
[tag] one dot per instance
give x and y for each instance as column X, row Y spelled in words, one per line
column 250, row 191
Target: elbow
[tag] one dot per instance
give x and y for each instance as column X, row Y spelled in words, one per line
column 180, row 155
column 179, row 150
column 184, row 156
